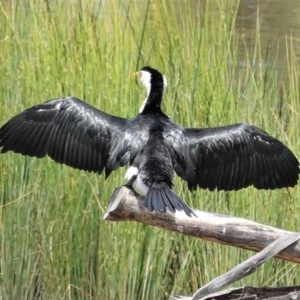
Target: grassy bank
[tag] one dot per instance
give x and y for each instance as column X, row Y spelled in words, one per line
column 53, row 240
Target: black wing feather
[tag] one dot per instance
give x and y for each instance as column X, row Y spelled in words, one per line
column 237, row 156
column 71, row 132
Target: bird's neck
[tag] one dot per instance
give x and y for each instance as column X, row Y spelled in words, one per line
column 152, row 103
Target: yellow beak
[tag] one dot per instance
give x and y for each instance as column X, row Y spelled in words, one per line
column 137, row 74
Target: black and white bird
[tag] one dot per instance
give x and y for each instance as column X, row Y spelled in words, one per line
column 225, row 158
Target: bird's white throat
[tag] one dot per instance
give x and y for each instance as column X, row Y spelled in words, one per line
column 146, row 81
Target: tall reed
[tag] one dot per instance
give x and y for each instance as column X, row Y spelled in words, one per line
column 54, row 243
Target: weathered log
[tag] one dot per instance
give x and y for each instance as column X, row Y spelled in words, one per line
column 251, row 293
column 125, row 205
column 244, row 269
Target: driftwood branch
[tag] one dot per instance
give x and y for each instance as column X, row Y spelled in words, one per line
column 124, row 205
column 244, row 269
column 251, row 293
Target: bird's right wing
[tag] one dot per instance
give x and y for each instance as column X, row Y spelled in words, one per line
column 71, row 132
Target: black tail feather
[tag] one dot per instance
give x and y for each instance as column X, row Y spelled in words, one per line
column 159, row 199
column 168, row 203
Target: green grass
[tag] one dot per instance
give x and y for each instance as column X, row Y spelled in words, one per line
column 54, row 242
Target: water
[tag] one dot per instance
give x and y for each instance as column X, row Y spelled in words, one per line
column 279, row 29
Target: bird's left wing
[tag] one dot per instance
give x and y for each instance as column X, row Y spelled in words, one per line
column 237, row 156
column 71, row 132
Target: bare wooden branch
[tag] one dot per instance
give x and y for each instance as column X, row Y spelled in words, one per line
column 248, row 292
column 245, row 268
column 124, row 205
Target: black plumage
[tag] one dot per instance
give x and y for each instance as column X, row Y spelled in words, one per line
column 225, row 158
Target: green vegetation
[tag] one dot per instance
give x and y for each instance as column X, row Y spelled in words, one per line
column 54, row 242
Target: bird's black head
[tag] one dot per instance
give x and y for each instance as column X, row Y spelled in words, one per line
column 155, row 83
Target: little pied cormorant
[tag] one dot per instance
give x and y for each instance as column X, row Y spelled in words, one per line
column 225, row 158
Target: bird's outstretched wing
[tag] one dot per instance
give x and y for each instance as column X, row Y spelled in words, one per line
column 71, row 132
column 237, row 156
